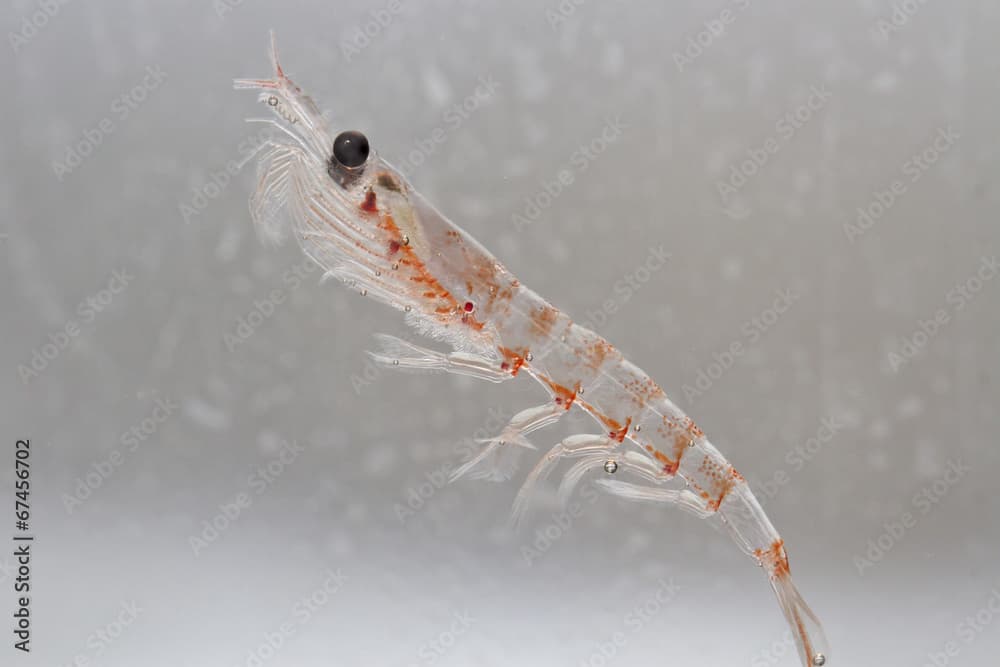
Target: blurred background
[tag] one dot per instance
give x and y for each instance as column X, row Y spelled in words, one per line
column 785, row 212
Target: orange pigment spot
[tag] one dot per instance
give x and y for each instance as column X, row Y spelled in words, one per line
column 774, row 558
column 620, row 433
column 515, row 360
column 369, row 203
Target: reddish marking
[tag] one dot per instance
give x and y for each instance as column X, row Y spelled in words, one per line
column 469, row 306
column 680, row 446
column 448, row 306
column 669, row 467
column 394, row 247
column 775, row 558
column 504, row 366
column 516, row 359
column 597, row 352
column 564, row 395
column 369, row 203
column 386, row 180
column 692, row 428
column 610, row 423
column 543, row 319
column 619, row 434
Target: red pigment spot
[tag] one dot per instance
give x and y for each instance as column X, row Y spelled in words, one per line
column 393, row 247
column 504, row 366
column 469, row 306
column 369, row 202
column 620, row 434
column 514, row 359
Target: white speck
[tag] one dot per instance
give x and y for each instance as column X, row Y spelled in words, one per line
column 206, row 415
column 436, row 86
column 732, row 268
column 884, row 82
column 880, row 429
column 613, row 59
column 910, row 407
column 878, row 459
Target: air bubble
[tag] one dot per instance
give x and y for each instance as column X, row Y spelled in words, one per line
column 528, row 357
column 611, row 466
column 407, row 308
column 819, row 660
column 378, row 274
column 364, row 292
column 406, row 240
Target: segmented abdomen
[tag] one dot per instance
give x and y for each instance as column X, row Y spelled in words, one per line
column 580, row 367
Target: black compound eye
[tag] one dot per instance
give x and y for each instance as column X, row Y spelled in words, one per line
column 350, row 149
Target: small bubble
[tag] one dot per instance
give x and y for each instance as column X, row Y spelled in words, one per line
column 819, row 660
column 636, row 428
column 407, row 308
column 364, row 292
column 272, row 101
column 611, row 466
column 690, row 443
column 406, row 240
column 395, row 362
column 395, row 266
column 528, row 357
column 378, row 274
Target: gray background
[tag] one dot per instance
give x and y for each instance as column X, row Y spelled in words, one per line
column 370, row 440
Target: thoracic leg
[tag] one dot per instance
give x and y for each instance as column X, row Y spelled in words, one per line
column 398, row 353
column 575, row 445
column 643, row 467
column 520, row 425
